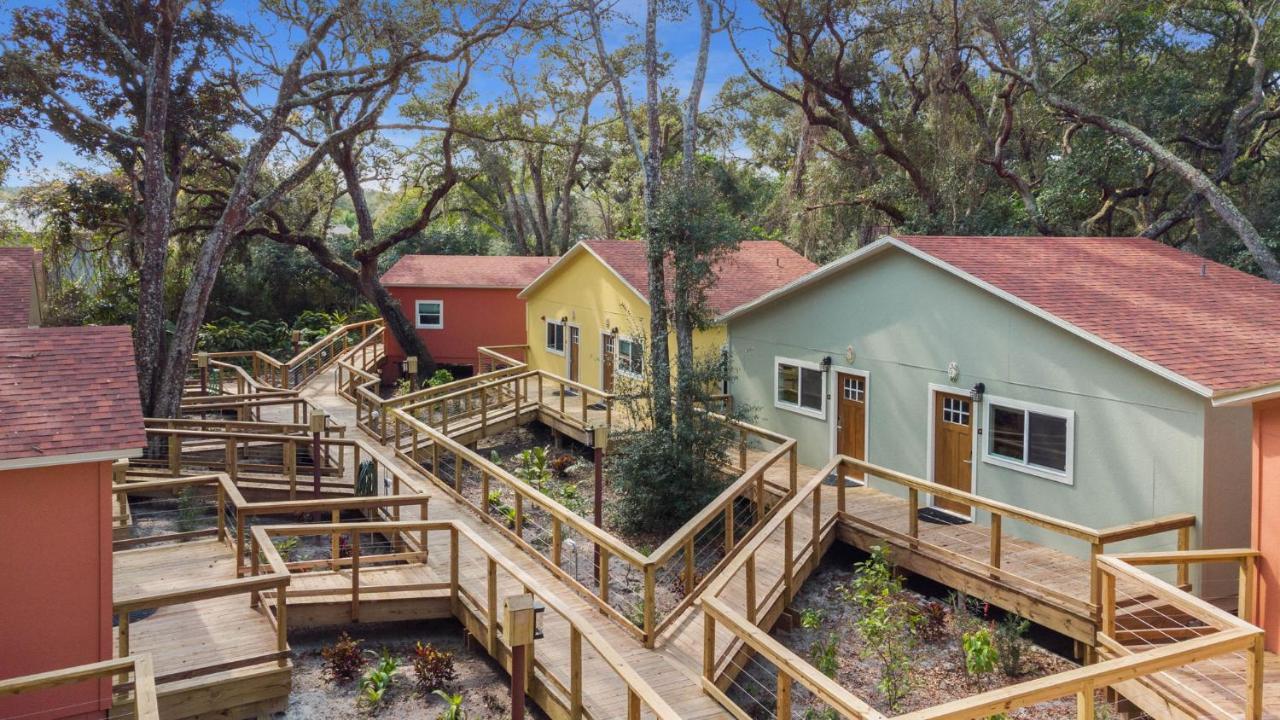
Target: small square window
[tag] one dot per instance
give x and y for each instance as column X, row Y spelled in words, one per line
column 555, row 337
column 1035, row 439
column 630, row 359
column 799, row 387
column 854, row 389
column 955, row 411
column 430, row 314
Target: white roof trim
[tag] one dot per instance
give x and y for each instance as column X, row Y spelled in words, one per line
column 72, row 459
column 889, row 241
column 452, row 286
column 1247, row 397
column 579, row 247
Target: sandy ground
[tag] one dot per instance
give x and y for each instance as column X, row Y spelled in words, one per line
column 484, row 685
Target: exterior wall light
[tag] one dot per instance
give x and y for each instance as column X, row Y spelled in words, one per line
column 975, row 393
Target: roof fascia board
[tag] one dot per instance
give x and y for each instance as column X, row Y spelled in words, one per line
column 71, row 459
column 573, row 252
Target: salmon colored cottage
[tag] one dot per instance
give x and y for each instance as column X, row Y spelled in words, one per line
column 68, row 409
column 458, row 303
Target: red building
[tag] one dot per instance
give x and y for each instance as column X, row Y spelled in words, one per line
column 461, row 302
column 68, row 409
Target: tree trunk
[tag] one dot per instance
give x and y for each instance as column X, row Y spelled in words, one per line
column 398, row 324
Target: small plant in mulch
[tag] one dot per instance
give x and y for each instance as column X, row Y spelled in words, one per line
column 377, row 681
column 188, row 510
column 888, row 623
column 561, row 464
column 935, row 620
column 434, row 669
column 452, row 707
column 823, row 654
column 1011, row 643
column 980, row 655
column 343, row 660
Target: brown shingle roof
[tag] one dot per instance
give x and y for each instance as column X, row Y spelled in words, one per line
column 478, row 271
column 67, row 391
column 1209, row 323
column 755, row 268
column 17, row 286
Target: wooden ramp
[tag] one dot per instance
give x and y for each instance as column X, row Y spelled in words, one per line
column 668, row 670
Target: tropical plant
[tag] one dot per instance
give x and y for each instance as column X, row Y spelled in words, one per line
column 533, row 467
column 811, row 618
column 188, row 509
column 433, row 668
column 888, row 622
column 1011, row 643
column 440, row 377
column 342, row 660
column 376, row 682
column 823, row 654
column 453, row 707
column 980, row 655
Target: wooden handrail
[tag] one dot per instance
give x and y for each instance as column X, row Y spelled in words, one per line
column 580, row 627
column 145, row 705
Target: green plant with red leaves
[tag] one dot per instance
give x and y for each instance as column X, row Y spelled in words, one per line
column 434, row 668
column 343, row 660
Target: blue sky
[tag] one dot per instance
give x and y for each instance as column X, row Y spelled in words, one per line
column 679, row 40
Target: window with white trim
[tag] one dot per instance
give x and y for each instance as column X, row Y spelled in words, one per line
column 555, row 337
column 854, row 389
column 1032, row 438
column 630, row 357
column 798, row 387
column 430, row 314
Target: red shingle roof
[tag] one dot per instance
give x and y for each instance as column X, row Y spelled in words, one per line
column 17, row 286
column 478, row 271
column 1211, row 324
column 755, row 268
column 68, row 390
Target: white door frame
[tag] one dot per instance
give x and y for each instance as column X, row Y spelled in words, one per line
column 613, row 338
column 834, row 392
column 934, row 389
column 568, row 351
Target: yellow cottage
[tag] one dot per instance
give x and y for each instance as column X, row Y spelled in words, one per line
column 586, row 314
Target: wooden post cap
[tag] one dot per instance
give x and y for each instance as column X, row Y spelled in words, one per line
column 411, row 364
column 318, row 417
column 519, row 615
column 202, row 359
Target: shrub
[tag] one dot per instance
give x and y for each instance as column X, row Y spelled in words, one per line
column 811, row 618
column 376, row 682
column 935, row 617
column 888, row 624
column 533, row 467
column 453, row 707
column 822, row 653
column 188, row 509
column 440, row 377
column 342, row 660
column 433, row 668
column 980, row 656
column 1011, row 643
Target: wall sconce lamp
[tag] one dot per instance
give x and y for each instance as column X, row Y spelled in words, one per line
column 975, row 393
column 614, row 332
column 565, row 320
column 826, row 363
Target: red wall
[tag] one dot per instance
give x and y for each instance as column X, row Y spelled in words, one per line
column 55, row 584
column 473, row 317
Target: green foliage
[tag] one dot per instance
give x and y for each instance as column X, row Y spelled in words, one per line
column 367, row 479
column 811, row 618
column 823, row 654
column 434, row 669
column 533, row 467
column 1011, row 643
column 342, row 660
column 980, row 656
column 188, row 509
column 561, row 463
column 286, row 546
column 440, row 377
column 453, row 706
column 887, row 624
column 377, row 681
column 536, row 469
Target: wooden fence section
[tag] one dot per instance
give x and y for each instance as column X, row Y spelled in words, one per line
column 573, row 670
column 136, row 696
column 257, row 371
column 752, row 589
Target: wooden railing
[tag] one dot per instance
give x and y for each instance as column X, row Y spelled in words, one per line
column 739, row 602
column 269, row 460
column 553, row 681
column 645, row 594
column 276, row 580
column 256, row 371
column 142, row 702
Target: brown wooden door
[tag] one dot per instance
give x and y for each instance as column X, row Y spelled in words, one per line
column 851, row 418
column 953, row 447
column 573, row 353
column 606, row 362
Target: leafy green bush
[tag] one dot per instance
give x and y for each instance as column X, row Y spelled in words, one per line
column 888, row 622
column 453, row 707
column 980, row 656
column 376, row 682
column 1011, row 643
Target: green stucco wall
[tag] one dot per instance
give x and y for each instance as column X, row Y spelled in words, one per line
column 1138, row 450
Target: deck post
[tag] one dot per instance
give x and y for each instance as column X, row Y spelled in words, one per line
column 355, row 576
column 282, row 624
column 633, row 704
column 575, row 673
column 649, row 602
column 484, row 488
column 708, row 645
column 603, row 578
column 240, row 518
column 491, row 597
column 913, row 514
column 1184, row 544
column 1095, row 587
column 453, row 568
column 1254, row 678
column 232, row 457
column 1108, row 625
column 335, row 548
column 291, row 468
column 840, row 487
column 784, row 695
column 222, row 513
column 1247, row 589
column 793, row 467
column 751, row 588
column 816, row 540
column 996, row 533
column 788, row 556
column 728, row 527
column 1084, row 703
column 690, row 566
column 519, row 519
column 175, row 455
column 742, row 448
column 123, row 627
column 557, row 540
column 423, row 511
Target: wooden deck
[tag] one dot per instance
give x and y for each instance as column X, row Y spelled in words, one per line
column 673, row 673
column 201, row 635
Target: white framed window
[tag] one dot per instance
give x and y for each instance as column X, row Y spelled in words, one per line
column 854, row 388
column 956, row 410
column 1036, row 439
column 555, row 337
column 630, row 358
column 430, row 314
column 798, row 387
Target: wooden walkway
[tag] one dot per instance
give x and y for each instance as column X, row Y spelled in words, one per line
column 673, row 673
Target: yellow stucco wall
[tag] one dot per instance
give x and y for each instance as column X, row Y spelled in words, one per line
column 595, row 300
